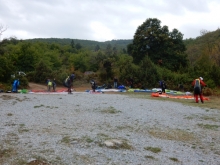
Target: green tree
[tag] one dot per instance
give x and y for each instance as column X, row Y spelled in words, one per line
column 215, row 75
column 53, row 58
column 161, row 46
column 79, row 61
column 42, row 71
column 100, row 57
column 26, row 58
column 78, row 46
column 108, row 50
column 6, row 69
column 125, row 68
column 97, row 48
column 108, row 67
column 93, row 63
column 147, row 73
column 72, row 44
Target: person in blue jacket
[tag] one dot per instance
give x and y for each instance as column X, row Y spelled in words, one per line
column 15, row 85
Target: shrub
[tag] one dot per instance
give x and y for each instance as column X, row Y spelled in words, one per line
column 207, row 92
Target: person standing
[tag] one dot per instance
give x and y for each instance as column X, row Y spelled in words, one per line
column 198, row 84
column 162, row 86
column 70, row 82
column 49, row 85
column 93, row 85
column 69, row 85
column 15, row 85
column 181, row 87
column 54, row 85
column 131, row 82
column 72, row 77
column 115, row 82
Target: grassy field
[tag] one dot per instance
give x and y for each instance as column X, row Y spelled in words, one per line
column 212, row 103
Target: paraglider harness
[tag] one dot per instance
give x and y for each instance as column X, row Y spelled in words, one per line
column 197, row 87
column 67, row 82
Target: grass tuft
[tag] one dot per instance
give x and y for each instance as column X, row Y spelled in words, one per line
column 174, row 159
column 149, row 157
column 153, row 149
column 66, row 140
column 173, row 134
column 9, row 114
column 208, row 126
column 110, row 110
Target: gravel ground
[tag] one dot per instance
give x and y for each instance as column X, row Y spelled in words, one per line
column 76, row 129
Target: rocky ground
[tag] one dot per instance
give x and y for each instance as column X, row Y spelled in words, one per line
column 100, row 129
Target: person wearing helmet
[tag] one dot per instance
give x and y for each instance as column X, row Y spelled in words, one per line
column 198, row 84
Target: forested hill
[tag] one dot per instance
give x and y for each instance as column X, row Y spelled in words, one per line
column 206, row 37
column 120, row 44
column 207, row 44
column 198, row 42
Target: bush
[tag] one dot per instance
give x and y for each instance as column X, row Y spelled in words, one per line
column 216, row 91
column 210, row 83
column 207, row 92
column 23, row 82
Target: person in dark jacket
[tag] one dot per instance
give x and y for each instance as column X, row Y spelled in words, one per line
column 70, row 83
column 93, row 85
column 131, row 81
column 115, row 82
column 54, row 85
column 162, row 86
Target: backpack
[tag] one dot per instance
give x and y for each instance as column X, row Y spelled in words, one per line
column 50, row 83
column 197, row 84
column 65, row 82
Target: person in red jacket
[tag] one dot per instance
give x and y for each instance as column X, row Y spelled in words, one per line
column 198, row 84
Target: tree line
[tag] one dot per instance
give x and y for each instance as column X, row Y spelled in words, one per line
column 155, row 53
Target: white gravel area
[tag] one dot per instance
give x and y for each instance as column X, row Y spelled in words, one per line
column 72, row 129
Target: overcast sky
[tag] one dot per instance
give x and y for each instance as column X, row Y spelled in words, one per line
column 103, row 20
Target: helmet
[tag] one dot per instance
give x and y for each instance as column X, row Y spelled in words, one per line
column 200, row 78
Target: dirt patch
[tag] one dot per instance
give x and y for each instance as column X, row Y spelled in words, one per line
column 35, row 86
column 7, row 97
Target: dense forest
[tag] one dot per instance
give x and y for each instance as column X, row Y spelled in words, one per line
column 153, row 54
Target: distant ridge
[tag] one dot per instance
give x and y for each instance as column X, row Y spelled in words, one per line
column 119, row 44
